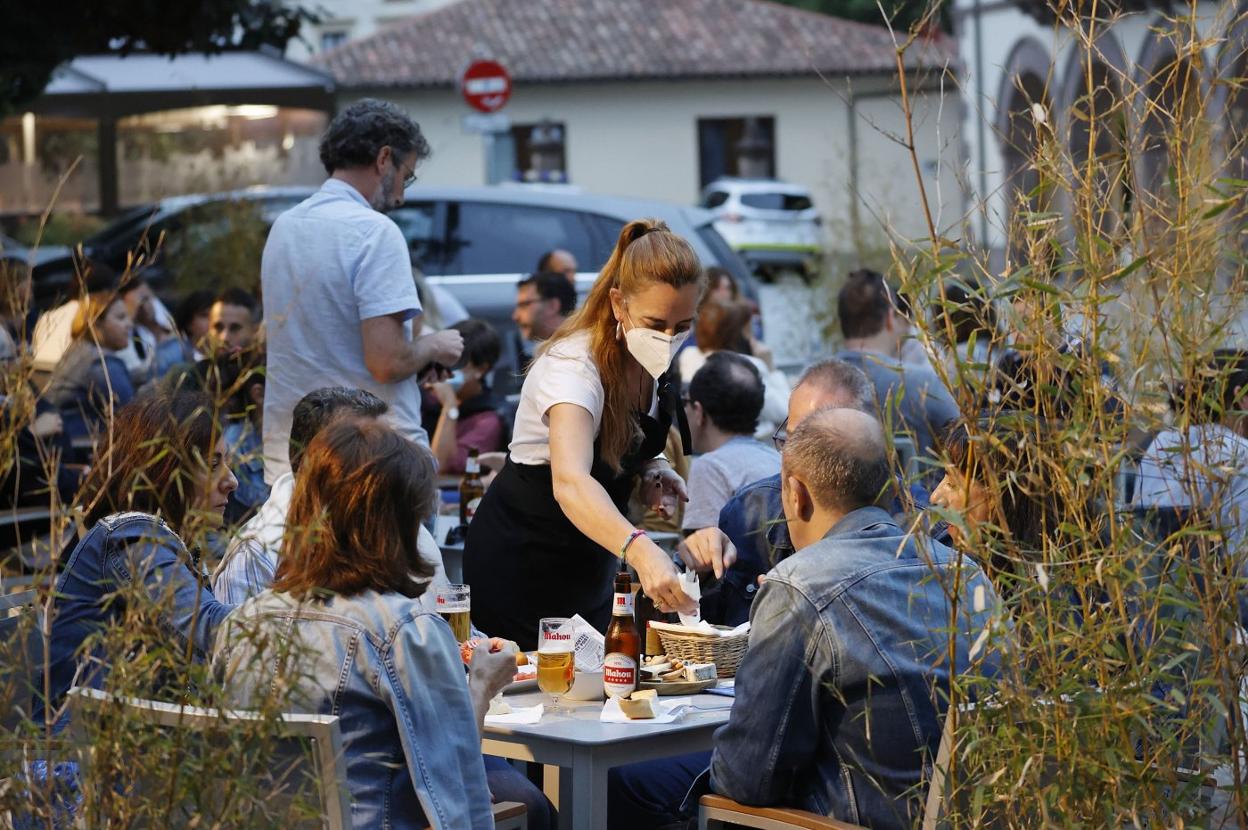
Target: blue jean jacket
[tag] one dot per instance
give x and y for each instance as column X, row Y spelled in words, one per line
column 123, row 550
column 841, row 695
column 393, row 675
column 753, row 519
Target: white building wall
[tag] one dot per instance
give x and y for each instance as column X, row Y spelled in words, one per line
column 641, row 140
column 986, row 43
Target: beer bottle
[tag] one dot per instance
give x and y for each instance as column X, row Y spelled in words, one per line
column 623, row 644
column 470, row 488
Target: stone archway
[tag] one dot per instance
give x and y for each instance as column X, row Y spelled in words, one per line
column 1024, row 85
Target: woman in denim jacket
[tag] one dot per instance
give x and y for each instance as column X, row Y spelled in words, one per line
column 341, row 632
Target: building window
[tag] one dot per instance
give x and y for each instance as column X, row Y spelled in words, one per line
column 329, row 40
column 744, row 147
column 541, row 154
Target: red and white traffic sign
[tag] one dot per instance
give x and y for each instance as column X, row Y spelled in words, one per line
column 486, row 86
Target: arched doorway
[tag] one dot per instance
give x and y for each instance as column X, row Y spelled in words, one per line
column 1024, row 110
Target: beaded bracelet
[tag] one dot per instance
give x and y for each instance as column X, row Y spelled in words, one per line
column 632, row 537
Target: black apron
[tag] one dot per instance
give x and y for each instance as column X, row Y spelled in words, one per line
column 526, row 560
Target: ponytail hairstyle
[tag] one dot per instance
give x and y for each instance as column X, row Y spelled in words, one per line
column 646, row 253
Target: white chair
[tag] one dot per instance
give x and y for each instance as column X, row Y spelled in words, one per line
column 302, row 750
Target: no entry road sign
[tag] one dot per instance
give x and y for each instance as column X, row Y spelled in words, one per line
column 486, row 86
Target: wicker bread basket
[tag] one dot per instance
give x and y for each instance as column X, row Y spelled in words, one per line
column 724, row 652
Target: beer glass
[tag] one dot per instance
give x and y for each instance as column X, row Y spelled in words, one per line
column 556, row 659
column 454, row 606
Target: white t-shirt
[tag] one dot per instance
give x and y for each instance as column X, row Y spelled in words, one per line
column 564, row 373
column 330, row 263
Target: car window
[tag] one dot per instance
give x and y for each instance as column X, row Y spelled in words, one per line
column 775, row 201
column 497, row 238
column 606, row 232
column 418, row 222
column 714, row 199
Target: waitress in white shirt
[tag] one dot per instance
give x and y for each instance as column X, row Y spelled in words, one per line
column 594, row 416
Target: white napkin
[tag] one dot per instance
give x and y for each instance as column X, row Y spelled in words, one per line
column 519, row 715
column 666, row 711
column 691, row 586
column 702, row 627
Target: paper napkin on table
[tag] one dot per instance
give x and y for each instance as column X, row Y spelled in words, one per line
column 666, row 711
column 519, row 715
column 703, row 627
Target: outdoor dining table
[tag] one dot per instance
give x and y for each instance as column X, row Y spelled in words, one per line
column 584, row 748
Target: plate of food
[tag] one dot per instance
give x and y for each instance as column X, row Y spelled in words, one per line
column 678, row 677
column 526, row 667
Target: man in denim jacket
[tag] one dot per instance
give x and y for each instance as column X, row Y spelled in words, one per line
column 840, row 698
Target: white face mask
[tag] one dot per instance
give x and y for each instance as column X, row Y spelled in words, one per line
column 654, row 350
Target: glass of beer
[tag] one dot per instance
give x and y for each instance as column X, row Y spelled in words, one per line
column 555, row 658
column 455, row 606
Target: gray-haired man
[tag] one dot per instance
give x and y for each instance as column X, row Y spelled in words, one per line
column 340, row 302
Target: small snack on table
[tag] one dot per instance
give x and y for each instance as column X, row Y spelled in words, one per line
column 640, row 705
column 498, row 706
column 695, row 672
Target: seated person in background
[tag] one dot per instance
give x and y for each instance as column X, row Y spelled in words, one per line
column 340, row 632
column 726, row 327
column 192, row 323
column 753, row 519
column 42, row 448
column 543, row 301
column 161, row 481
column 53, row 334
column 91, row 381
column 559, row 262
column 722, row 407
column 234, row 321
column 152, row 327
column 236, row 382
column 468, row 418
column 841, row 695
column 967, row 322
column 911, row 398
column 251, row 560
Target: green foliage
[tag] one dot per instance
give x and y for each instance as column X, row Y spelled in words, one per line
column 38, row 37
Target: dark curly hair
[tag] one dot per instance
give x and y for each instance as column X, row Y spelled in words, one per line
column 357, row 134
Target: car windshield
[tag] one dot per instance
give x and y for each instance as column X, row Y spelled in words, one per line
column 776, row 201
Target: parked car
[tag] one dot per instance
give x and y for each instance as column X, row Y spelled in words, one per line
column 477, row 242
column 474, row 242
column 769, row 222
column 10, row 248
column 180, row 243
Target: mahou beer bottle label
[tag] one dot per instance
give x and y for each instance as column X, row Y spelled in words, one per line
column 619, row 675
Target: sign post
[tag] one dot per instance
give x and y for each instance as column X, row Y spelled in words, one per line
column 486, row 87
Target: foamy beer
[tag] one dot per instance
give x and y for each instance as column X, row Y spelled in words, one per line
column 455, row 606
column 555, row 658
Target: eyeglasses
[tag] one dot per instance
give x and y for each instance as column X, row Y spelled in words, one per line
column 781, row 435
column 409, row 174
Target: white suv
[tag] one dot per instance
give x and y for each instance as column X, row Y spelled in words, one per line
column 769, row 222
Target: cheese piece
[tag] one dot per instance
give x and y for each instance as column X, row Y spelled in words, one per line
column 498, row 706
column 695, row 672
column 644, row 694
column 674, row 674
column 638, row 709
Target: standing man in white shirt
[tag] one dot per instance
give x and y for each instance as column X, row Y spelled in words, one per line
column 340, row 300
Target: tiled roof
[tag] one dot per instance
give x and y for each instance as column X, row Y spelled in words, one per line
column 560, row 41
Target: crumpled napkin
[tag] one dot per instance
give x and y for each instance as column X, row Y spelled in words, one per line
column 519, row 715
column 702, row 627
column 666, row 711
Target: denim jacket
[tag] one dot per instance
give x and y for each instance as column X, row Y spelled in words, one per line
column 840, row 698
column 754, row 521
column 392, row 674
column 122, row 550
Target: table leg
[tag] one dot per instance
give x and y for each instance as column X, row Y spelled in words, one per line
column 565, row 787
column 589, row 780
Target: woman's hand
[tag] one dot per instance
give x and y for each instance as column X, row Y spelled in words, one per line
column 493, row 666
column 659, row 577
column 445, row 394
column 662, row 489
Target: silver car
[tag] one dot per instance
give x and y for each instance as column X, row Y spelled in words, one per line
column 478, row 242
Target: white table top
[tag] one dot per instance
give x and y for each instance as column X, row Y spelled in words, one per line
column 581, row 725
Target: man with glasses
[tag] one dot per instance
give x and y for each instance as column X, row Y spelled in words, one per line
column 340, row 301
column 722, row 406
